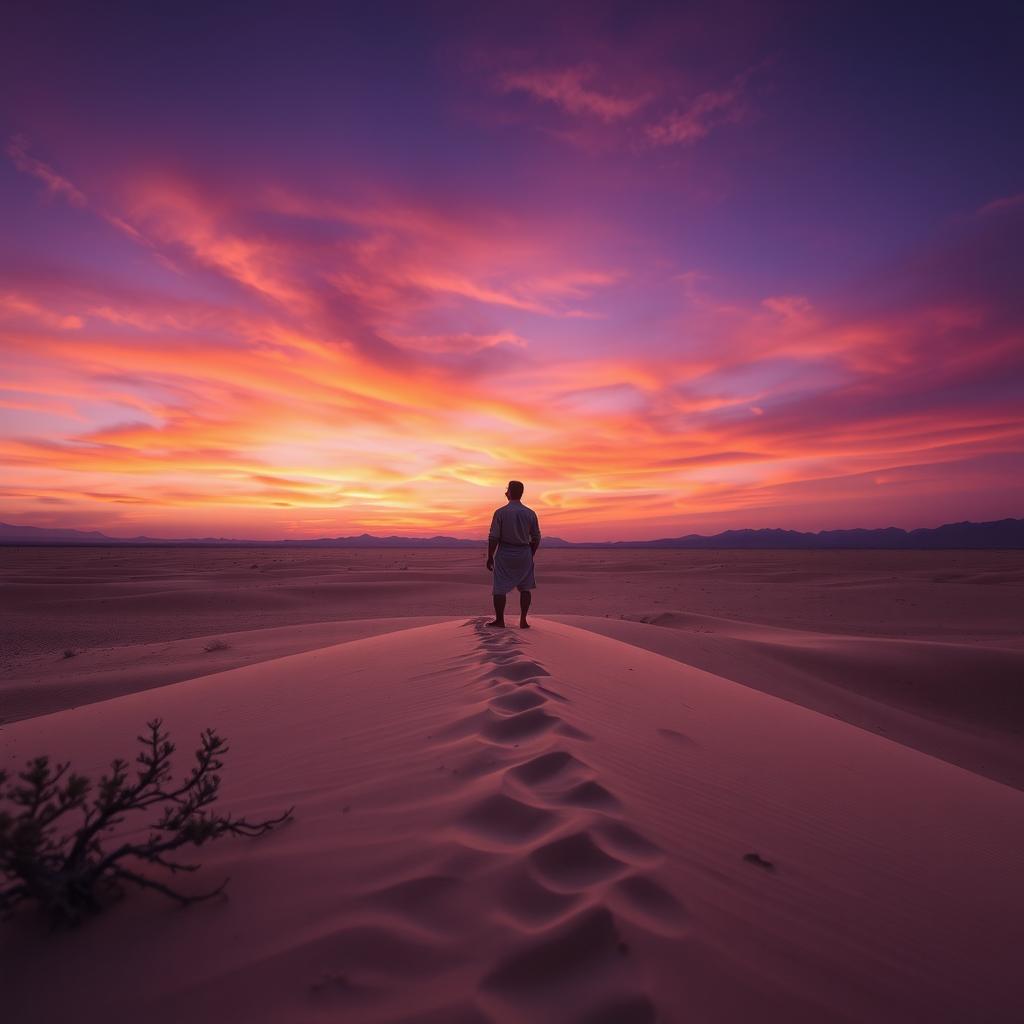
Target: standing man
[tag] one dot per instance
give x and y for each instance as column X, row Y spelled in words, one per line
column 511, row 544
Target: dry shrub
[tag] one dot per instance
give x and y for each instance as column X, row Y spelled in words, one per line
column 67, row 870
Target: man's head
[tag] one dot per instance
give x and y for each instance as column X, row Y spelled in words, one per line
column 514, row 491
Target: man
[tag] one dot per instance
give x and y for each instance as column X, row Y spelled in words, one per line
column 511, row 544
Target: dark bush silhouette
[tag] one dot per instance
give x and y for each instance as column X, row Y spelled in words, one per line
column 66, row 870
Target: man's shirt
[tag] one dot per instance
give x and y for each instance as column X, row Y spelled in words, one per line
column 514, row 523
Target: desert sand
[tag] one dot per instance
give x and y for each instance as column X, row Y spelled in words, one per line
column 715, row 786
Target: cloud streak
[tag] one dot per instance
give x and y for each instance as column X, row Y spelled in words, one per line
column 572, row 91
column 696, row 119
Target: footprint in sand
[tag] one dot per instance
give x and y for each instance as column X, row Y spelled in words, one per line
column 489, row 652
column 519, row 670
column 650, row 905
column 494, row 634
column 575, row 863
column 530, row 904
column 500, row 658
column 519, row 699
column 505, row 729
column 562, row 962
column 592, row 795
column 553, row 768
column 502, row 822
column 626, row 843
column 495, row 642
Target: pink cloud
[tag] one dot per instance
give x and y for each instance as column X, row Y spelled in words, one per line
column 56, row 184
column 13, row 306
column 699, row 117
column 570, row 89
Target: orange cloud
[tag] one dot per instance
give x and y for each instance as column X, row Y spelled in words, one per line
column 380, row 364
column 17, row 307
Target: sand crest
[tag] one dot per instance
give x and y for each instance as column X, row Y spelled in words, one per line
column 553, row 826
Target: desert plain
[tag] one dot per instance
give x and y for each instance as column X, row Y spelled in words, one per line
column 704, row 786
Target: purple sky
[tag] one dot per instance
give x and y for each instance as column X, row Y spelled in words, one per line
column 329, row 268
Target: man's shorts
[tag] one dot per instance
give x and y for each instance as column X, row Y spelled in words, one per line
column 513, row 569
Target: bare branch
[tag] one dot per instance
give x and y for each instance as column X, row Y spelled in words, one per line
column 66, row 870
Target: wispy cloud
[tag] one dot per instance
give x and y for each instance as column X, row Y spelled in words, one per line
column 56, row 184
column 17, row 307
column 698, row 118
column 616, row 112
column 572, row 90
column 1003, row 204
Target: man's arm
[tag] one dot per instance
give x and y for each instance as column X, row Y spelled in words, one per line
column 534, row 536
column 492, row 540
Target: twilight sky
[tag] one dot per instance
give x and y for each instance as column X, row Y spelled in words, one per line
column 314, row 269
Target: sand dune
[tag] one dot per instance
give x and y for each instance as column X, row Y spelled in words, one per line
column 42, row 685
column 550, row 826
column 55, row 598
column 961, row 702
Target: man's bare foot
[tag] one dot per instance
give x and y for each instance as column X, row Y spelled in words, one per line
column 523, row 624
column 497, row 622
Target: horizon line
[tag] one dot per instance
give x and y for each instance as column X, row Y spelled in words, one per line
column 145, row 538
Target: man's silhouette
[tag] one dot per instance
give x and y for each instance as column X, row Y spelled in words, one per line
column 511, row 544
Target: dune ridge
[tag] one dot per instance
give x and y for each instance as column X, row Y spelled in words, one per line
column 960, row 702
column 498, row 826
column 42, row 686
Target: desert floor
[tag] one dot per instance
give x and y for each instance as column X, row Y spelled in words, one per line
column 927, row 647
column 705, row 786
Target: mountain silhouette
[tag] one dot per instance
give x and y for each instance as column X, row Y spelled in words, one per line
column 1000, row 534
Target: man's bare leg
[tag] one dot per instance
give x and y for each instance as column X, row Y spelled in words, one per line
column 499, row 611
column 524, row 607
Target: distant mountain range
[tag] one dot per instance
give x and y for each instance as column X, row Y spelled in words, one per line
column 1004, row 533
